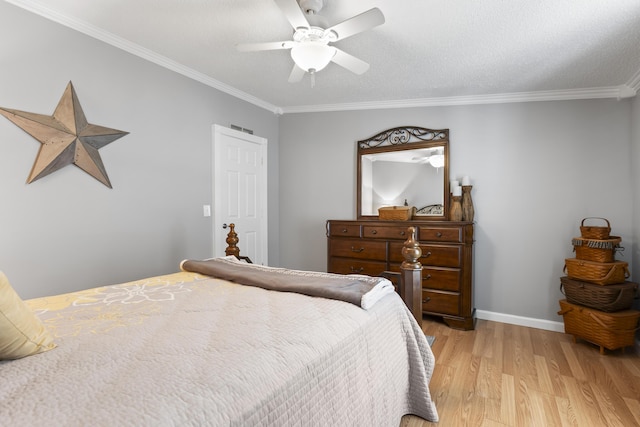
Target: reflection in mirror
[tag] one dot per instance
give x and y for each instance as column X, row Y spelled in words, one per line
column 402, row 178
column 404, row 166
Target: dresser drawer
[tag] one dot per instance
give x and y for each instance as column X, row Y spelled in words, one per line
column 345, row 230
column 442, row 256
column 446, row 279
column 381, row 232
column 438, row 255
column 357, row 248
column 441, row 302
column 356, row 266
column 440, row 234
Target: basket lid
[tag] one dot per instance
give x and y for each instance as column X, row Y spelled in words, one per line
column 612, row 242
column 396, row 208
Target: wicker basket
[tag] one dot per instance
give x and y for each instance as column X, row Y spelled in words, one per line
column 608, row 298
column 596, row 250
column 396, row 213
column 595, row 232
column 608, row 330
column 602, row 273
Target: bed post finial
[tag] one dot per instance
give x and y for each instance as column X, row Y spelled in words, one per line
column 411, row 251
column 411, row 275
column 232, row 241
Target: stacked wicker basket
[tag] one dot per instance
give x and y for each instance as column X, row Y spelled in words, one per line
column 598, row 300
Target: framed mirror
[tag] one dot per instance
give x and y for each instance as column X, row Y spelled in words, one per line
column 404, row 166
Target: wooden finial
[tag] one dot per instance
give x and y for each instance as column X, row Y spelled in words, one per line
column 232, row 241
column 411, row 252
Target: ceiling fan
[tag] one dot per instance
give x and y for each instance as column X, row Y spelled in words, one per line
column 432, row 156
column 310, row 48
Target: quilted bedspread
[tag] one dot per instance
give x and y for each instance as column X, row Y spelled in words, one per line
column 186, row 349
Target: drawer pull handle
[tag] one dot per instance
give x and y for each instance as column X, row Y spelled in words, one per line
column 428, row 254
column 426, row 300
column 344, row 230
column 428, row 277
column 356, row 250
column 402, row 233
column 438, row 234
column 374, row 231
column 357, row 270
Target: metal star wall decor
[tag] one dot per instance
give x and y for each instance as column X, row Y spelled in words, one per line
column 66, row 138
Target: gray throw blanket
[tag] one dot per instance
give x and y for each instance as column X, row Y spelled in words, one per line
column 360, row 290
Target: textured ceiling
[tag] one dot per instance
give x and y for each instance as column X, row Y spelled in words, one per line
column 427, row 52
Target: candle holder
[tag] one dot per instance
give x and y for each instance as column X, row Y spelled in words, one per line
column 467, row 204
column 456, row 208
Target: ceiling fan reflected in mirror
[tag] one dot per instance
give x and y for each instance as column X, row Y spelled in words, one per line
column 432, row 156
column 311, row 48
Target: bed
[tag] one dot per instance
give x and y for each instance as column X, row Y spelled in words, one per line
column 191, row 349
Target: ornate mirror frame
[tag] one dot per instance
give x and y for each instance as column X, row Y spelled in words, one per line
column 411, row 142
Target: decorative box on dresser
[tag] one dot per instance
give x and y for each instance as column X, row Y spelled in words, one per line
column 373, row 246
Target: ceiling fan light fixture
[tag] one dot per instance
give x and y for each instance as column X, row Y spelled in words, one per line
column 437, row 160
column 312, row 55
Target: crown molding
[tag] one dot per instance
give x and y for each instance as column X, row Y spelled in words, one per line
column 137, row 50
column 634, row 82
column 617, row 92
column 628, row 90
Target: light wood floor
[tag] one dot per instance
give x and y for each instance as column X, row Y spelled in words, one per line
column 506, row 375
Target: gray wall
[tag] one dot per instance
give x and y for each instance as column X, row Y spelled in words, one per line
column 537, row 169
column 68, row 231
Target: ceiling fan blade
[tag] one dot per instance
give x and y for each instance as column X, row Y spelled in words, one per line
column 359, row 23
column 350, row 62
column 252, row 47
column 293, row 13
column 297, row 74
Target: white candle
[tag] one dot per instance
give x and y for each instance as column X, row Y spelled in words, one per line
column 466, row 180
column 454, row 183
column 457, row 190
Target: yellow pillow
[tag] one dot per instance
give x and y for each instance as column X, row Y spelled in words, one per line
column 21, row 332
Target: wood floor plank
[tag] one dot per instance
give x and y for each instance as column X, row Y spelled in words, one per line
column 489, row 380
column 482, row 343
column 628, row 385
column 634, row 408
column 546, row 345
column 523, row 403
column 492, row 410
column 574, row 364
column 491, row 423
column 632, row 364
column 565, row 411
column 612, row 406
column 544, row 378
column 582, row 404
column 544, row 411
column 508, row 400
column 508, row 375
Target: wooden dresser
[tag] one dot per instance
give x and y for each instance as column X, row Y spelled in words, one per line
column 371, row 247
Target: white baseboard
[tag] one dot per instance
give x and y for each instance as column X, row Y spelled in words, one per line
column 530, row 322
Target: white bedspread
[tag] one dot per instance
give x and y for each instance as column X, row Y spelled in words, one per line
column 185, row 349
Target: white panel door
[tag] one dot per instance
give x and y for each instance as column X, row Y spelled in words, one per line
column 240, row 192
